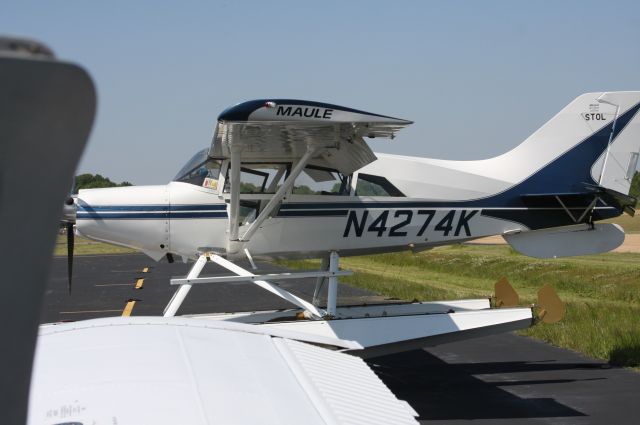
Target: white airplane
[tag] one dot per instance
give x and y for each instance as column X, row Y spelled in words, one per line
column 295, row 179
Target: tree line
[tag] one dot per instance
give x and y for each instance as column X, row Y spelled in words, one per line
column 92, row 181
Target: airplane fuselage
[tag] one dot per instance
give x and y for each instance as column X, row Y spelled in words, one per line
column 184, row 219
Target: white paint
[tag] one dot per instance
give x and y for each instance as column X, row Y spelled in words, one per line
column 568, row 241
column 123, row 370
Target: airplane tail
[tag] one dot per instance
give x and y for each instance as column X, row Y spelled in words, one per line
column 591, row 144
column 594, row 142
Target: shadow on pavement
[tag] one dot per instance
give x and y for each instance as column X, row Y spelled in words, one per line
column 438, row 390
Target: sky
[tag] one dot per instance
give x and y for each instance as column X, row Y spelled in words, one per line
column 476, row 77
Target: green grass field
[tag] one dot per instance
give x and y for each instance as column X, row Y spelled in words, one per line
column 602, row 292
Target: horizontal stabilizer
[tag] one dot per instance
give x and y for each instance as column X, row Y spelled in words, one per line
column 567, row 241
column 619, row 200
column 615, row 198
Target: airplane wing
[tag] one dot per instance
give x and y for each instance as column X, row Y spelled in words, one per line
column 192, row 371
column 284, row 129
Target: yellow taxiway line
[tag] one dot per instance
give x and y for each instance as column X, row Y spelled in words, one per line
column 128, row 308
column 139, row 283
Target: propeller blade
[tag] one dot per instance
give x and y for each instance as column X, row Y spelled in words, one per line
column 70, row 243
column 552, row 308
column 505, row 295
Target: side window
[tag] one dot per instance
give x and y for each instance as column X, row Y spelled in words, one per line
column 259, row 178
column 370, row 185
column 321, row 181
column 205, row 173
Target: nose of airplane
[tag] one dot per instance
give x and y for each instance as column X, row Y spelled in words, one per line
column 134, row 216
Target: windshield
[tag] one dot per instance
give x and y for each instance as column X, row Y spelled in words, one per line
column 200, row 171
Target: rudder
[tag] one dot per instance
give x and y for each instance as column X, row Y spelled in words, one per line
column 616, row 166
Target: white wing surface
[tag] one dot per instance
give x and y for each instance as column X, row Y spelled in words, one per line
column 189, row 371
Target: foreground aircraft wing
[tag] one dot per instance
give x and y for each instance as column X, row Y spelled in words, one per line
column 282, row 130
column 137, row 370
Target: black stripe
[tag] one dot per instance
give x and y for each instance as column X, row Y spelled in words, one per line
column 329, row 213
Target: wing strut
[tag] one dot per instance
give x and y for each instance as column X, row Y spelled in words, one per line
column 277, row 197
column 182, row 292
column 234, row 203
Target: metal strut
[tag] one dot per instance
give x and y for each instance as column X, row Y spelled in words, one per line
column 243, row 275
column 589, row 207
column 324, row 265
column 179, row 296
column 279, row 195
column 332, row 289
column 269, row 286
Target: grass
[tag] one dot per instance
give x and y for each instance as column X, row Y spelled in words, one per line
column 628, row 223
column 602, row 292
column 84, row 246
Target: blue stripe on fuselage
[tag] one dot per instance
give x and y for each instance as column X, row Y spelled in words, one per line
column 160, row 207
column 157, row 212
column 150, row 215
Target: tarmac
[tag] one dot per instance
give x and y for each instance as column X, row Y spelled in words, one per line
column 492, row 380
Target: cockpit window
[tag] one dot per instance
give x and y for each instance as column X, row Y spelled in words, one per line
column 201, row 170
column 370, row 185
column 259, row 178
column 322, row 181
